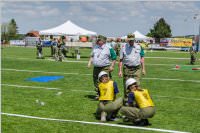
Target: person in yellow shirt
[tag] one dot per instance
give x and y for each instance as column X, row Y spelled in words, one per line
column 141, row 106
column 108, row 103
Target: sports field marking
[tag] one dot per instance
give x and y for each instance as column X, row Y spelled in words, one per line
column 195, row 99
column 167, row 65
column 181, row 80
column 183, row 52
column 93, row 123
column 170, row 58
column 65, row 60
column 36, row 71
column 33, row 87
column 87, row 62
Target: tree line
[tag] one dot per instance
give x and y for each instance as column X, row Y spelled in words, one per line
column 9, row 31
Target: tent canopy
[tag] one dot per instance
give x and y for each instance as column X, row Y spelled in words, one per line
column 138, row 35
column 68, row 28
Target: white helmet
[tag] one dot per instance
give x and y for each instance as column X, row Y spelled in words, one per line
column 101, row 74
column 130, row 81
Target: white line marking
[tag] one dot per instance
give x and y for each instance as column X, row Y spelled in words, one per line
column 171, row 58
column 22, row 86
column 65, row 60
column 69, row 61
column 84, row 91
column 149, row 64
column 36, row 71
column 181, row 80
column 177, row 97
column 93, row 123
column 153, row 51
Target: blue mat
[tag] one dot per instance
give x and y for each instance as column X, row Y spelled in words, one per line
column 45, row 78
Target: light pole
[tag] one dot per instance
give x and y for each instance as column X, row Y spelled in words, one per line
column 197, row 17
column 198, row 45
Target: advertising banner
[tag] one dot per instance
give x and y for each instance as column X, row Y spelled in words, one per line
column 181, row 42
column 17, row 42
column 176, row 42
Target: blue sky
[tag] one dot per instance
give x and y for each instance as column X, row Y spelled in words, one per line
column 110, row 18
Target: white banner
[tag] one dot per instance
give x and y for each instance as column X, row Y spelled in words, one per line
column 17, row 42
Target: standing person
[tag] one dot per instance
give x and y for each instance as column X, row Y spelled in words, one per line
column 117, row 46
column 51, row 37
column 192, row 55
column 132, row 58
column 39, row 49
column 108, row 103
column 100, row 57
column 54, row 44
column 144, row 107
column 59, row 50
column 63, row 47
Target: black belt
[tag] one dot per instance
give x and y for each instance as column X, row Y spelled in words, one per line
column 132, row 66
column 101, row 67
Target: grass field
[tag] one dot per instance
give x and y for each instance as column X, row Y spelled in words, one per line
column 176, row 93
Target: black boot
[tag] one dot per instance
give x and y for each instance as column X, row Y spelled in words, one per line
column 143, row 122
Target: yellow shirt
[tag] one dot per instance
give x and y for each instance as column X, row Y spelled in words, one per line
column 106, row 91
column 143, row 98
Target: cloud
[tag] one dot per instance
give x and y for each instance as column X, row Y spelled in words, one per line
column 128, row 15
column 29, row 9
column 182, row 6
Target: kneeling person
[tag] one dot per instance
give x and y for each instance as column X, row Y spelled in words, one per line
column 108, row 105
column 144, row 107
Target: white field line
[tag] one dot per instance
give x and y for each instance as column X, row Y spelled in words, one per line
column 65, row 60
column 87, row 61
column 36, row 71
column 181, row 80
column 93, row 123
column 171, row 58
column 195, row 99
column 183, row 52
column 168, row 65
column 33, row 87
column 22, row 86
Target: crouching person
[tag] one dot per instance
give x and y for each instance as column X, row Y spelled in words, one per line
column 108, row 104
column 141, row 106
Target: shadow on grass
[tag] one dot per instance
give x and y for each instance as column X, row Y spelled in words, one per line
column 91, row 97
column 74, row 57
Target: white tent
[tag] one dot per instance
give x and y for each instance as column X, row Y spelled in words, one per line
column 68, row 28
column 138, row 35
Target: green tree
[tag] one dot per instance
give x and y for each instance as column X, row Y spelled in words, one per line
column 160, row 30
column 12, row 29
column 4, row 31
